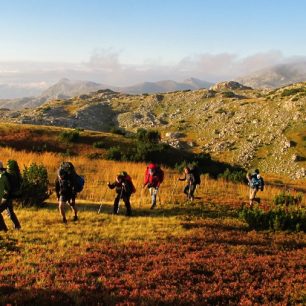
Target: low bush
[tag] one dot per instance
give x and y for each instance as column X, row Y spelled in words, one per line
column 235, row 176
column 287, row 199
column 34, row 188
column 276, row 219
column 69, row 136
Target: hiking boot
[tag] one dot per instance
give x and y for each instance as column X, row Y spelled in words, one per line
column 75, row 218
column 153, row 206
column 257, row 200
column 64, row 220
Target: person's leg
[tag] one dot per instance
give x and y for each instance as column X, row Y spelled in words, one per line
column 3, row 226
column 153, row 193
column 127, row 203
column 186, row 190
column 192, row 188
column 116, row 204
column 252, row 196
column 71, row 203
column 11, row 213
column 61, row 207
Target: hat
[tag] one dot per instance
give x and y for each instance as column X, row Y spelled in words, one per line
column 1, row 166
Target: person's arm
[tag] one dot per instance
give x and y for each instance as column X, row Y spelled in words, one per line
column 111, row 185
column 6, row 186
column 182, row 179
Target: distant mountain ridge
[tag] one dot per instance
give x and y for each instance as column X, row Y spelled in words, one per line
column 277, row 76
column 66, row 88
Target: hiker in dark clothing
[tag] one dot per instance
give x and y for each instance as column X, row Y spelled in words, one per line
column 124, row 189
column 256, row 183
column 191, row 183
column 6, row 198
column 65, row 191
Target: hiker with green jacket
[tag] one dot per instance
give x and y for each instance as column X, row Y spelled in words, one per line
column 6, row 199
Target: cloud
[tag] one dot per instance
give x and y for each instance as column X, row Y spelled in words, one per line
column 105, row 66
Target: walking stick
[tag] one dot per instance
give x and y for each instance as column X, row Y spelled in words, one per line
column 120, row 199
column 102, row 202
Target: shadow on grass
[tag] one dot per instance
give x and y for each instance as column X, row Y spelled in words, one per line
column 9, row 244
column 186, row 211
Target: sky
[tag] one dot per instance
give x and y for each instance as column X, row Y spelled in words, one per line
column 123, row 42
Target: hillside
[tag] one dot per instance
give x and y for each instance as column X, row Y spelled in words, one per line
column 233, row 123
column 277, row 76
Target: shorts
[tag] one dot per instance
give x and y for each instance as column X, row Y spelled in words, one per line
column 69, row 199
column 253, row 192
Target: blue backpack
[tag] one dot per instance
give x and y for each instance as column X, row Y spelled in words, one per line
column 79, row 183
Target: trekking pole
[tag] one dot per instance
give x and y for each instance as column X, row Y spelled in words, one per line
column 102, row 202
column 119, row 199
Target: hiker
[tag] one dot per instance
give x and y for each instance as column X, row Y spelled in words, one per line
column 154, row 176
column 66, row 189
column 256, row 183
column 124, row 189
column 7, row 179
column 191, row 183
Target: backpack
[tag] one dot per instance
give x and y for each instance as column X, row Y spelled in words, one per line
column 68, row 178
column 154, row 175
column 256, row 182
column 14, row 179
column 197, row 176
column 129, row 186
column 79, row 183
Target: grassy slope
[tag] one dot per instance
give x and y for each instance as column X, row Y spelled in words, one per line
column 178, row 254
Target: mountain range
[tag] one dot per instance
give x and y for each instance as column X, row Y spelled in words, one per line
column 66, row 88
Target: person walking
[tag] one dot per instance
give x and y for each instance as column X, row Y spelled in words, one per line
column 191, row 183
column 154, row 176
column 124, row 189
column 7, row 178
column 66, row 189
column 256, row 183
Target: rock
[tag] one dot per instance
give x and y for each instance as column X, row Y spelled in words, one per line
column 231, row 85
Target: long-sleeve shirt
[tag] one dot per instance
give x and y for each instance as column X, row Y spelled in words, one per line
column 4, row 185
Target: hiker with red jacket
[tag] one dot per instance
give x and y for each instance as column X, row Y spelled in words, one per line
column 124, row 188
column 154, row 176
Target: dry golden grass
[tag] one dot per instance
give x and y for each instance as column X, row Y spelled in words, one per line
column 98, row 172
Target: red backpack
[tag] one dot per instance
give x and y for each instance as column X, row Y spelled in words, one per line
column 154, row 175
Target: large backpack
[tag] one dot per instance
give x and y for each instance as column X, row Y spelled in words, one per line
column 14, row 179
column 197, row 176
column 154, row 174
column 69, row 179
column 129, row 186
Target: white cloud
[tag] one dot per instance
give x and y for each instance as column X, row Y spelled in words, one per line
column 104, row 66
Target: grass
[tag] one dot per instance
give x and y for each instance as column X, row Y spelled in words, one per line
column 183, row 254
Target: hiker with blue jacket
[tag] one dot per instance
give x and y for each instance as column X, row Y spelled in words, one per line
column 6, row 197
column 256, row 183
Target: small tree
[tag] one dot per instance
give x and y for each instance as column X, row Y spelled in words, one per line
column 34, row 188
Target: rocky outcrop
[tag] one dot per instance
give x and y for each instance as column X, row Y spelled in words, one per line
column 230, row 85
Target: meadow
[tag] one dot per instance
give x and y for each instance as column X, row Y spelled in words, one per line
column 182, row 253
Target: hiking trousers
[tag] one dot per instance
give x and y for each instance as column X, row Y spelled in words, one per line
column 126, row 200
column 7, row 204
column 153, row 192
column 189, row 191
